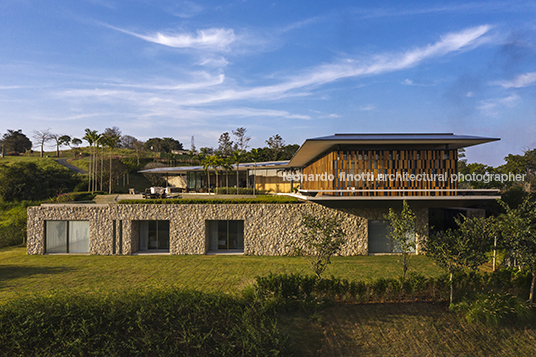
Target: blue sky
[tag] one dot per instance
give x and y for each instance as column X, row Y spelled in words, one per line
column 300, row 69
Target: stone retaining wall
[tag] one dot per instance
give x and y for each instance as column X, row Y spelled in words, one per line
column 268, row 228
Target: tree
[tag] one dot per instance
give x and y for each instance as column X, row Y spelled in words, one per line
column 166, row 145
column 237, row 158
column 127, row 142
column 42, row 137
column 518, row 228
column 92, row 137
column 225, row 147
column 25, row 181
column 465, row 247
column 403, row 233
column 110, row 139
column 60, row 140
column 275, row 143
column 288, row 151
column 76, row 143
column 242, row 141
column 322, row 238
column 255, row 155
column 15, row 141
column 215, row 161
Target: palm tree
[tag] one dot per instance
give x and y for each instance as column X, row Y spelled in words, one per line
column 225, row 163
column 215, row 161
column 255, row 155
column 110, row 141
column 237, row 158
column 91, row 137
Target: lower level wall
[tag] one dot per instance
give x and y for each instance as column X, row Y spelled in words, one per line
column 268, row 228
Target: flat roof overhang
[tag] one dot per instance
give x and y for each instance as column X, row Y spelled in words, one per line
column 396, row 201
column 313, row 148
column 241, row 167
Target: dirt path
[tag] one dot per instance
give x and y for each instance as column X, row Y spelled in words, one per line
column 70, row 167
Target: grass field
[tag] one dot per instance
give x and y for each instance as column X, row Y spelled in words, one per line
column 412, row 329
column 23, row 275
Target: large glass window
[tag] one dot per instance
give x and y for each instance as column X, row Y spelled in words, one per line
column 379, row 238
column 154, row 235
column 67, row 237
column 225, row 235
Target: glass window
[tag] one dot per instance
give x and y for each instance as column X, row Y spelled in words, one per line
column 154, row 235
column 225, row 235
column 67, row 237
column 56, row 237
column 78, row 236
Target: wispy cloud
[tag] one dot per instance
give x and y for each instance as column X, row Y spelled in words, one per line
column 215, row 39
column 409, row 82
column 203, row 89
column 367, row 108
column 450, row 43
column 523, row 80
column 492, row 106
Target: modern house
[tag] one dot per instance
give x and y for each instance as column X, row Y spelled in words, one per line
column 355, row 177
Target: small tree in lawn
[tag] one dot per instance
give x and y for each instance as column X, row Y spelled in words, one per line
column 403, row 233
column 322, row 238
column 518, row 227
column 465, row 247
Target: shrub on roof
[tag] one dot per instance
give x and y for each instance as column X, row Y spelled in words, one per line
column 255, row 200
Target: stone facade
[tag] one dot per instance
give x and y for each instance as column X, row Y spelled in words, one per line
column 268, row 228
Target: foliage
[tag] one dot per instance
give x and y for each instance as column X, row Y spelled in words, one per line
column 465, row 247
column 167, row 322
column 403, row 233
column 13, row 222
column 518, row 228
column 14, row 141
column 225, row 145
column 25, row 181
column 189, row 201
column 321, row 239
column 240, row 191
column 162, row 145
column 72, row 197
column 493, row 309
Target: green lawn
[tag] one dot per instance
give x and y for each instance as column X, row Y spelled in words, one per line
column 22, row 275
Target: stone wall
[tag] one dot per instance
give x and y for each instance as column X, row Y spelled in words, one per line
column 268, row 228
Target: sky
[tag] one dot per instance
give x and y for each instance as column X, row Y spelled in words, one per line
column 300, row 69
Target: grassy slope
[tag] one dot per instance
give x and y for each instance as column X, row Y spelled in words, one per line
column 22, row 275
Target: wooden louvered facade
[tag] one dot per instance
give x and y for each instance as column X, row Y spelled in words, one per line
column 375, row 172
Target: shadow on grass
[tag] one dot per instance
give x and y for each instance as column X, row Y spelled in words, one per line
column 10, row 272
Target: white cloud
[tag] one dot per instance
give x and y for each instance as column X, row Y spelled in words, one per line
column 523, row 80
column 452, row 42
column 215, row 39
column 367, row 108
column 492, row 106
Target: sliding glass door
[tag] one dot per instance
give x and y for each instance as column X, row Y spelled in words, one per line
column 154, row 235
column 225, row 235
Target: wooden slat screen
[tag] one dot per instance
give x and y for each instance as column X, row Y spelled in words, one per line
column 384, row 164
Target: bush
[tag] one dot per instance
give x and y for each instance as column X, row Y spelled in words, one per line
column 170, row 323
column 13, row 222
column 241, row 191
column 72, row 197
column 493, row 309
